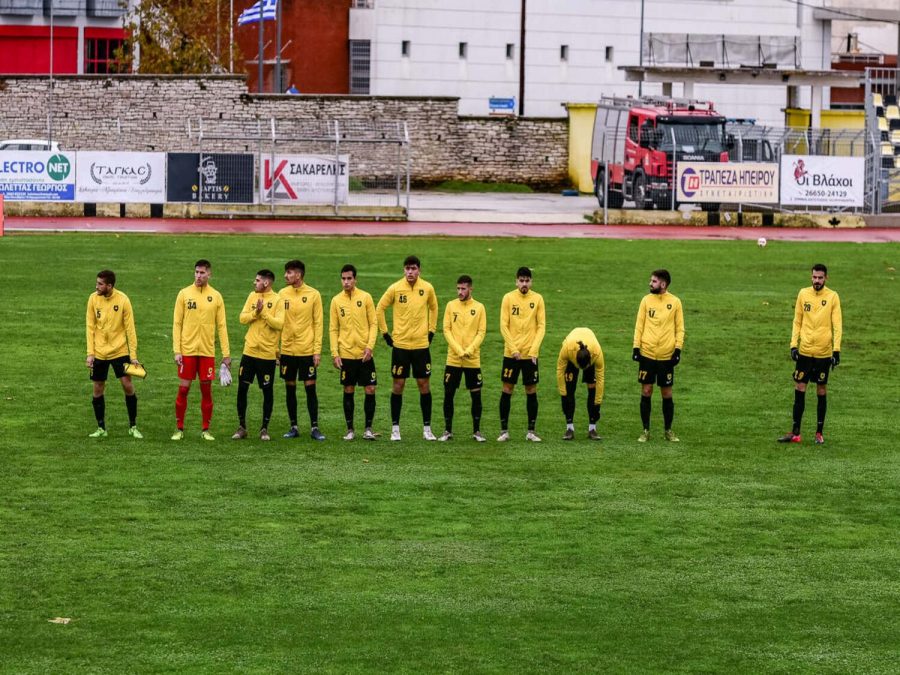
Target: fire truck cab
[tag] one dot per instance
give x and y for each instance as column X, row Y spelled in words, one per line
column 640, row 141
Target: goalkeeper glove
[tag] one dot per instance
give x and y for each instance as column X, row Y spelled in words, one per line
column 676, row 357
column 430, row 336
column 835, row 359
column 636, row 354
column 795, row 353
column 387, row 338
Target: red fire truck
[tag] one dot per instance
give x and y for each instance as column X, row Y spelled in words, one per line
column 641, row 139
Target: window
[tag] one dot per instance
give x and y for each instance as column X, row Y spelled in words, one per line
column 564, row 52
column 510, row 51
column 463, row 50
column 363, row 4
column 609, row 54
column 360, row 68
column 101, row 56
column 633, row 128
column 404, row 48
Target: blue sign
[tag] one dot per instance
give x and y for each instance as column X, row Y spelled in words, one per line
column 502, row 104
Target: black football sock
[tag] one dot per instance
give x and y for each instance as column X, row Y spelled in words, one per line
column 243, row 388
column 568, row 407
column 449, row 394
column 593, row 410
column 349, row 409
column 668, row 406
column 312, row 404
column 476, row 411
column 645, row 411
column 531, row 407
column 290, row 397
column 799, row 407
column 425, row 404
column 505, row 405
column 99, row 403
column 821, row 409
column 131, row 407
column 268, row 403
column 396, row 407
column 369, row 409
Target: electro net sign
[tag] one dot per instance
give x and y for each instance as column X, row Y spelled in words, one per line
column 37, row 176
column 304, row 179
column 747, row 182
column 818, row 180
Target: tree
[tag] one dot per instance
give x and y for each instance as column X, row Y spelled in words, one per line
column 173, row 36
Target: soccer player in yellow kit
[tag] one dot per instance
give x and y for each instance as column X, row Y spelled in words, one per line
column 815, row 347
column 111, row 341
column 199, row 315
column 465, row 325
column 658, row 340
column 415, row 307
column 301, row 345
column 523, row 323
column 581, row 351
column 263, row 314
column 352, row 330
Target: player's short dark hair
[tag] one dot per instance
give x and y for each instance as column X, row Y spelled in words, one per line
column 523, row 272
column 464, row 279
column 662, row 275
column 349, row 268
column 108, row 277
column 203, row 262
column 295, row 265
column 819, row 267
column 412, row 260
column 583, row 357
column 266, row 274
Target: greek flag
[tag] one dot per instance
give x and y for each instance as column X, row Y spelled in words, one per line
column 252, row 14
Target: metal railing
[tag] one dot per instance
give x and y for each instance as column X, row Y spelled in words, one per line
column 369, row 161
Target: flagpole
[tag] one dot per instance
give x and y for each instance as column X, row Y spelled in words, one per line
column 260, row 56
column 231, row 36
column 279, row 85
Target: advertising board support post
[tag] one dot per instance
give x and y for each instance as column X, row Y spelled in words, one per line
column 605, row 192
column 271, row 164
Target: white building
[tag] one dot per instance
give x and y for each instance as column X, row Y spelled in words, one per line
column 573, row 48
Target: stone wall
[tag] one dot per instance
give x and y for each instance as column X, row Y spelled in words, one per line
column 162, row 113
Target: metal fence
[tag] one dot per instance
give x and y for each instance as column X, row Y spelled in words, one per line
column 883, row 126
column 743, row 142
column 365, row 164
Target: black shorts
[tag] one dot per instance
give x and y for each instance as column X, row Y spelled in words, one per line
column 512, row 367
column 263, row 370
column 100, row 371
column 811, row 369
column 356, row 372
column 416, row 361
column 295, row 368
column 651, row 371
column 453, row 377
column 588, row 376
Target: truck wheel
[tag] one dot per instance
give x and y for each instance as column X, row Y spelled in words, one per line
column 639, row 191
column 614, row 197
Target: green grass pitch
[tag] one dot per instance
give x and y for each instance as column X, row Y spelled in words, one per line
column 725, row 552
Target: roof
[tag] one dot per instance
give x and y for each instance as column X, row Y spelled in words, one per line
column 743, row 75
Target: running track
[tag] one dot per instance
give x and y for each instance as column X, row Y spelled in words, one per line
column 23, row 225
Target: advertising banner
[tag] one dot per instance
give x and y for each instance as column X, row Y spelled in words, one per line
column 747, row 182
column 304, row 179
column 808, row 180
column 37, row 176
column 227, row 179
column 121, row 177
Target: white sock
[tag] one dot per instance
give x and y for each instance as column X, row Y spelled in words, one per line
column 592, row 427
column 426, row 429
column 570, row 427
column 395, row 428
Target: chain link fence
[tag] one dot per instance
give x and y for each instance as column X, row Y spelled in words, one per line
column 333, row 167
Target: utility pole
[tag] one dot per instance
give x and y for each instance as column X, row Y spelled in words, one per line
column 522, row 62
